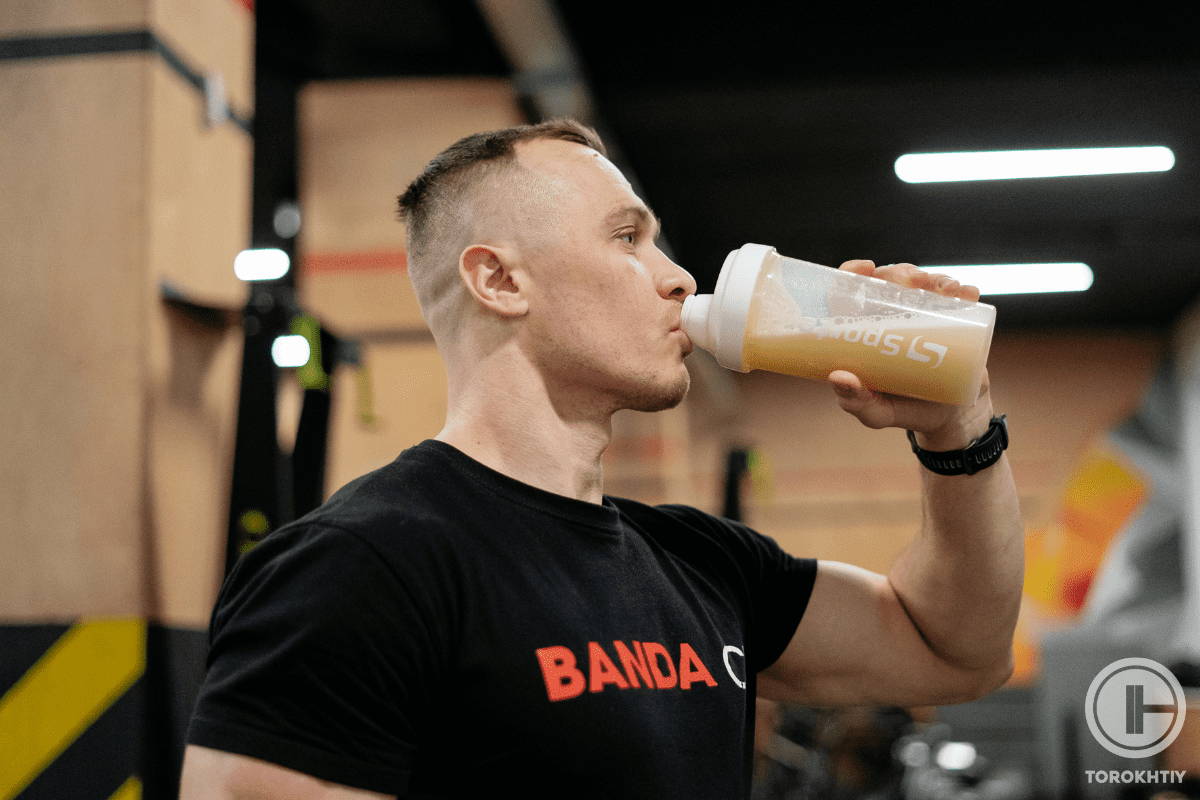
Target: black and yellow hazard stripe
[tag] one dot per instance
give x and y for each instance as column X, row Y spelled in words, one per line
column 62, row 694
column 96, row 709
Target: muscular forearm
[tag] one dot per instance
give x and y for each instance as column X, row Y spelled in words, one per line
column 961, row 579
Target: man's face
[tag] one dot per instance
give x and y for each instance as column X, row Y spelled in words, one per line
column 605, row 302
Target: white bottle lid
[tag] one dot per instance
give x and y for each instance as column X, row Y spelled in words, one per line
column 717, row 321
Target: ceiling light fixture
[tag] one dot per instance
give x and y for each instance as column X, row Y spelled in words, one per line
column 1008, row 164
column 1072, row 276
column 290, row 351
column 262, row 264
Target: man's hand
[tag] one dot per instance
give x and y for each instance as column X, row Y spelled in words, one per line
column 938, row 426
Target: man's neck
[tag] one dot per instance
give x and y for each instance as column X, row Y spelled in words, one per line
column 516, row 428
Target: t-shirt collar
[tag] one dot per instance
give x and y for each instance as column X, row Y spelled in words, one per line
column 603, row 515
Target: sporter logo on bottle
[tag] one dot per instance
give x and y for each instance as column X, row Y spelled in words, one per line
column 888, row 343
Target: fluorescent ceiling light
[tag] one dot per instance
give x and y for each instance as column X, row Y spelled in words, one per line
column 1001, row 164
column 1071, row 276
column 264, row 264
column 290, row 351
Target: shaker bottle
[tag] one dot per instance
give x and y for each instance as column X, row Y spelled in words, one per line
column 784, row 315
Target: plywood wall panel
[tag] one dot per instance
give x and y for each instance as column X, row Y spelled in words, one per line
column 212, row 36
column 70, row 16
column 115, row 478
column 192, row 397
column 362, row 142
column 368, row 300
column 408, row 387
column 198, row 219
column 198, row 191
column 73, row 308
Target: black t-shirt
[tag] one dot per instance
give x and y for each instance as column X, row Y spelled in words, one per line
column 439, row 629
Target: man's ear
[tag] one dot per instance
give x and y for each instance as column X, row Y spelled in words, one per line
column 489, row 274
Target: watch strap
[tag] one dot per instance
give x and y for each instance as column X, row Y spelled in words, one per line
column 979, row 454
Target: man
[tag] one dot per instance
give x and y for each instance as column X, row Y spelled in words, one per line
column 477, row 617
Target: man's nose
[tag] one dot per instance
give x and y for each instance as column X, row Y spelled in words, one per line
column 676, row 282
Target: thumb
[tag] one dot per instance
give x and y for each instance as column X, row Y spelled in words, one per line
column 852, row 395
column 856, row 399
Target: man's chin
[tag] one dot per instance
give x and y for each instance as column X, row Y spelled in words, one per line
column 664, row 398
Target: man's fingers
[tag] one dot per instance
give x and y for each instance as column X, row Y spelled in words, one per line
column 910, row 275
column 906, row 275
column 969, row 293
column 860, row 266
column 943, row 284
column 913, row 277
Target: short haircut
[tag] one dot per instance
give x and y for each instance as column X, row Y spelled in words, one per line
column 433, row 205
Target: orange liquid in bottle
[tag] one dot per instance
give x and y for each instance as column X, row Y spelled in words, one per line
column 903, row 354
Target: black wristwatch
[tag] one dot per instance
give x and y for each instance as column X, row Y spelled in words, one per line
column 979, row 454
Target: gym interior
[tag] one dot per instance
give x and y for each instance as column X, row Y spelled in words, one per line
column 209, row 329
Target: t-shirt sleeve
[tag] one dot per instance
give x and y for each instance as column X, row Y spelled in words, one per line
column 322, row 659
column 776, row 585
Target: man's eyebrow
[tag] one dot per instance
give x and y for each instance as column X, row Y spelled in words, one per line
column 642, row 213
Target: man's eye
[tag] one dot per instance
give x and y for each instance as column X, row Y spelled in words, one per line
column 631, row 235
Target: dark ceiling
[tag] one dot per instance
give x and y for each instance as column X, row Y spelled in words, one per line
column 780, row 124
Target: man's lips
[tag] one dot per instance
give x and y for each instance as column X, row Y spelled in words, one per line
column 687, row 342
